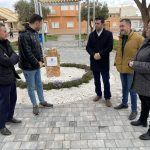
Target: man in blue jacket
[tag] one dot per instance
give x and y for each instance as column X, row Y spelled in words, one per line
column 99, row 45
column 8, row 75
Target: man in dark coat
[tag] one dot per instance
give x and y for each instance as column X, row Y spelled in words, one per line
column 99, row 45
column 31, row 60
column 8, row 75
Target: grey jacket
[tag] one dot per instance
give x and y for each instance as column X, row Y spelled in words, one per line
column 141, row 66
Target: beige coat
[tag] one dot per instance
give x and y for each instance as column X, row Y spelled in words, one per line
column 122, row 60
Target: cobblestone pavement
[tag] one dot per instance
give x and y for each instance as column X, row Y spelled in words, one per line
column 81, row 125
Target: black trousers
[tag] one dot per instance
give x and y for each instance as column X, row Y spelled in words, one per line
column 8, row 98
column 145, row 108
column 97, row 79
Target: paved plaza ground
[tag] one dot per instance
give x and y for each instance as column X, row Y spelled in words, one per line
column 78, row 124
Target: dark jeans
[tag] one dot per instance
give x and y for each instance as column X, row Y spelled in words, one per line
column 8, row 98
column 145, row 108
column 97, row 79
column 126, row 80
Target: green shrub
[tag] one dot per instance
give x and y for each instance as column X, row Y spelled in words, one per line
column 14, row 46
column 115, row 44
column 83, row 36
column 52, row 37
column 59, row 85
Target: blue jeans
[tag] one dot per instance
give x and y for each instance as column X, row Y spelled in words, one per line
column 97, row 80
column 33, row 80
column 126, row 80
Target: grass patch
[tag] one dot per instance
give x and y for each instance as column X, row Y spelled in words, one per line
column 51, row 37
column 115, row 44
column 83, row 36
column 59, row 85
column 15, row 46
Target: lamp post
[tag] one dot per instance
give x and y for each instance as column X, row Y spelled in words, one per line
column 38, row 10
column 36, row 7
column 41, row 14
column 93, row 14
column 88, row 17
column 79, row 21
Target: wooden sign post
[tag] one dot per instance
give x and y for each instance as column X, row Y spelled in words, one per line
column 52, row 62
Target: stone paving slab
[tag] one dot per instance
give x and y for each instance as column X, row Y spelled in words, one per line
column 96, row 127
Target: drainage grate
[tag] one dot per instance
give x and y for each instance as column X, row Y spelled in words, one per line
column 72, row 124
column 101, row 127
column 34, row 137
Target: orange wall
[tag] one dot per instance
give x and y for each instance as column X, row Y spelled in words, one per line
column 113, row 23
column 63, row 17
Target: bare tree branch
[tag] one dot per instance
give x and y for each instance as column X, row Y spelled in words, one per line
column 149, row 7
column 139, row 4
column 144, row 3
column 145, row 11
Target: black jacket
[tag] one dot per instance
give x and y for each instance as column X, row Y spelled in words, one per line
column 30, row 51
column 102, row 44
column 8, row 58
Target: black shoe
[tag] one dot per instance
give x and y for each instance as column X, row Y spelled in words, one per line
column 145, row 136
column 13, row 120
column 138, row 123
column 121, row 106
column 133, row 115
column 36, row 110
column 45, row 104
column 5, row 131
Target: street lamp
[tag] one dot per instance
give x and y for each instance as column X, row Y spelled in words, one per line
column 88, row 19
column 36, row 6
column 93, row 14
column 38, row 10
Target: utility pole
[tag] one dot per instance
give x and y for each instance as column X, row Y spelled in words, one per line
column 88, row 20
column 79, row 22
column 42, row 30
column 36, row 7
column 94, row 15
column 38, row 10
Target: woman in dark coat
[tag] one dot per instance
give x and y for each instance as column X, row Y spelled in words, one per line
column 141, row 83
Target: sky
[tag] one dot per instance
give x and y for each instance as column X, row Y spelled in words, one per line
column 10, row 3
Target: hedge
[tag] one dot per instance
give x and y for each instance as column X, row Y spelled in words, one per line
column 59, row 85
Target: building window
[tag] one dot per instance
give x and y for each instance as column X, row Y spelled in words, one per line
column 52, row 11
column 64, row 7
column 55, row 25
column 70, row 24
column 50, row 8
column 71, row 7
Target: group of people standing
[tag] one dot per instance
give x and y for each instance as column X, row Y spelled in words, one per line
column 132, row 62
column 30, row 61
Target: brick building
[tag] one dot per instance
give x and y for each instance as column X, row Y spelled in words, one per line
column 64, row 20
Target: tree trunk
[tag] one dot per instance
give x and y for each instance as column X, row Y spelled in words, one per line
column 145, row 12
